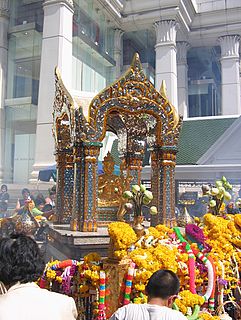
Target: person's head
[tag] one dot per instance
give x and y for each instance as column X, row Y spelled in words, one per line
column 20, row 260
column 4, row 188
column 163, row 284
column 39, row 204
column 39, row 197
column 40, row 201
column 52, row 195
column 25, row 193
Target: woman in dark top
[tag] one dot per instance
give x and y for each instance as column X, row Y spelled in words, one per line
column 21, row 202
column 4, row 198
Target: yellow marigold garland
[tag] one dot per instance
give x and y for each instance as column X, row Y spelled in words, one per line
column 158, row 249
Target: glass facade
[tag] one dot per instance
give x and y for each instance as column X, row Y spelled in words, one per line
column 143, row 42
column 24, row 64
column 204, row 81
column 24, row 54
column 93, row 41
column 26, row 11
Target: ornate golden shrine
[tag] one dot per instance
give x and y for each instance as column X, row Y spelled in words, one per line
column 139, row 115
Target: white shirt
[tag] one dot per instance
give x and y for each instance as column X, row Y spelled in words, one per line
column 146, row 312
column 27, row 302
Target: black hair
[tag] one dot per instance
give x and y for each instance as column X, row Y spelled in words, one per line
column 163, row 284
column 47, row 208
column 25, row 190
column 39, row 201
column 4, row 186
column 20, row 260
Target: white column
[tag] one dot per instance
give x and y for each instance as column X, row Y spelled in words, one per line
column 117, row 52
column 56, row 51
column 166, row 61
column 230, row 75
column 182, row 80
column 4, row 21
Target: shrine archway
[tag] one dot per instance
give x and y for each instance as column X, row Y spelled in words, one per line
column 133, row 96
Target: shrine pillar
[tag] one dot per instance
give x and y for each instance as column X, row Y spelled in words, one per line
column 166, row 60
column 163, row 162
column 65, row 185
column 78, row 187
column 88, row 219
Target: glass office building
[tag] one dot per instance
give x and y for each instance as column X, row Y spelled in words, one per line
column 97, row 54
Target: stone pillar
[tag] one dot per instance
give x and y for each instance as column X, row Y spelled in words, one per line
column 230, row 75
column 118, row 49
column 163, row 161
column 56, row 51
column 182, row 80
column 89, row 218
column 166, row 63
column 4, row 21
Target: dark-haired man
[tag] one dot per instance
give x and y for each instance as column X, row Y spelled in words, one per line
column 162, row 289
column 21, row 264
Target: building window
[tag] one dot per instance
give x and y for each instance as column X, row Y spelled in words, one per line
column 27, row 11
column 24, row 55
column 93, row 43
column 143, row 42
column 204, row 82
column 24, row 65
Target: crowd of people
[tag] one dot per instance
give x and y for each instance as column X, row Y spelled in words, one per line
column 44, row 204
column 21, row 265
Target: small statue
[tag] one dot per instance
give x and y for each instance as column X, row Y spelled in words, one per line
column 111, row 187
column 184, row 218
column 26, row 222
column 108, row 182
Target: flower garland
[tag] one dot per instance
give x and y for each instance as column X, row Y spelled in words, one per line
column 122, row 236
column 161, row 248
column 102, row 292
column 224, row 237
column 129, row 279
column 207, row 316
column 191, row 260
column 187, row 301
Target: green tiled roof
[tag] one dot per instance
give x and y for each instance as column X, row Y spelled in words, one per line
column 197, row 136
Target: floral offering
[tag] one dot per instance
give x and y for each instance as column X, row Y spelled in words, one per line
column 207, row 260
